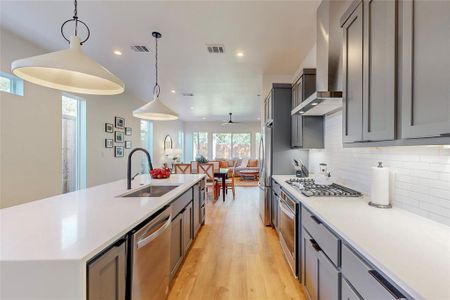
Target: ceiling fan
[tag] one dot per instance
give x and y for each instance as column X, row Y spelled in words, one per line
column 230, row 122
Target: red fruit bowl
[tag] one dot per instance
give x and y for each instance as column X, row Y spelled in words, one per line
column 160, row 173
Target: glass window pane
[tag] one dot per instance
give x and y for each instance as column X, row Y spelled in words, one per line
column 5, row 84
column 222, row 146
column 258, row 144
column 69, row 144
column 241, row 145
column 200, row 144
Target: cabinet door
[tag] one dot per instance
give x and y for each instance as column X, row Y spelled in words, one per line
column 107, row 274
column 425, row 68
column 176, row 245
column 296, row 131
column 188, row 227
column 310, row 267
column 328, row 278
column 347, row 292
column 379, row 99
column 274, row 212
column 353, row 77
column 294, row 95
column 196, row 208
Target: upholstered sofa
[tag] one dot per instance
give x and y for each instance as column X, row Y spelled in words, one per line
column 236, row 165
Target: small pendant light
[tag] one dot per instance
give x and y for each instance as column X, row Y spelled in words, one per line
column 155, row 109
column 69, row 70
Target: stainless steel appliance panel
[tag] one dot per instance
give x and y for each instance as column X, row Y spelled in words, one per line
column 264, row 204
column 151, row 259
column 287, row 226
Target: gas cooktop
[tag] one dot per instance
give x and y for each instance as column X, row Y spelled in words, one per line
column 309, row 188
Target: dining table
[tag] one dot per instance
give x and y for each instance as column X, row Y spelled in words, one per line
column 222, row 174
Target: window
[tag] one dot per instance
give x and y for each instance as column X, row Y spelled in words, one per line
column 147, row 143
column 73, row 143
column 200, row 144
column 11, row 84
column 181, row 144
column 231, row 145
column 258, row 145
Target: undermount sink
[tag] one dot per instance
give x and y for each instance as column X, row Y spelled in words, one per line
column 150, row 191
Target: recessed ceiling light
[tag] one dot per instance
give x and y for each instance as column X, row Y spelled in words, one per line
column 240, row 54
column 204, row 118
column 191, row 107
column 314, row 104
column 172, row 91
column 258, row 118
column 118, row 52
column 301, row 112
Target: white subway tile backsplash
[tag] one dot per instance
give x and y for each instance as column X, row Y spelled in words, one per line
column 422, row 173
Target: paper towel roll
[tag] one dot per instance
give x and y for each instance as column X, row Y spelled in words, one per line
column 380, row 185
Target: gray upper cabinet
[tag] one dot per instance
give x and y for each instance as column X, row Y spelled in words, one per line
column 379, row 92
column 107, row 274
column 369, row 108
column 353, row 76
column 425, row 91
column 306, row 131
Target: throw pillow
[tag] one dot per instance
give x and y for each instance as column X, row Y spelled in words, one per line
column 253, row 163
column 244, row 163
column 223, row 164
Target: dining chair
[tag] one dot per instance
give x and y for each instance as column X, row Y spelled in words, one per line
column 216, row 165
column 183, row 169
column 211, row 181
column 229, row 183
column 194, row 166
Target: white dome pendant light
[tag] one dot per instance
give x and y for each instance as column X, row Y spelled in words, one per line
column 69, row 70
column 155, row 109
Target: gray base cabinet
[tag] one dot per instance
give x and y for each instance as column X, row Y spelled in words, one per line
column 107, row 274
column 176, row 245
column 182, row 237
column 188, row 226
column 197, row 208
column 321, row 278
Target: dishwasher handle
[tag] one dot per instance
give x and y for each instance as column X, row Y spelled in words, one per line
column 144, row 241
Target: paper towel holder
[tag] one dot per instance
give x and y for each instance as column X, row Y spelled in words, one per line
column 380, row 165
column 380, row 205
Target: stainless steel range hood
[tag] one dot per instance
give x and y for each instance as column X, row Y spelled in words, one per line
column 328, row 96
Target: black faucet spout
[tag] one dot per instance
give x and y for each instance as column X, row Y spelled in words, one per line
column 129, row 164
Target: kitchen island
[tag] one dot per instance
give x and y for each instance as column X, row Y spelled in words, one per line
column 46, row 244
column 410, row 250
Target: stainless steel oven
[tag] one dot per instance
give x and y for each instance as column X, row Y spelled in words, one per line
column 287, row 226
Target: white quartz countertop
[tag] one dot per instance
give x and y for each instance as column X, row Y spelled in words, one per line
column 78, row 225
column 412, row 250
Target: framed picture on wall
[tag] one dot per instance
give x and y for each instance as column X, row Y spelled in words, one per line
column 109, row 143
column 127, row 144
column 118, row 136
column 128, row 130
column 118, row 151
column 109, row 127
column 120, row 122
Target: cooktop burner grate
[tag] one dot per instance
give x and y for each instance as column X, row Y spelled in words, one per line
column 309, row 188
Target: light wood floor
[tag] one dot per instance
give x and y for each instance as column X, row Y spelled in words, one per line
column 235, row 256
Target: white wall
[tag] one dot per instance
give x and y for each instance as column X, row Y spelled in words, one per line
column 30, row 127
column 216, row 127
column 421, row 182
column 160, row 130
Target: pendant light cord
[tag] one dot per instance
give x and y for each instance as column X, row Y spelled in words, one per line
column 76, row 20
column 156, row 89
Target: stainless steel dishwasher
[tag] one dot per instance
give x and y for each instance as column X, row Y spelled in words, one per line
column 151, row 258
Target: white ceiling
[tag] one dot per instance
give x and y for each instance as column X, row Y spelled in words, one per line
column 274, row 36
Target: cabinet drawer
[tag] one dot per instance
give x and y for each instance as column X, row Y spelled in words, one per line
column 180, row 203
column 347, row 292
column 367, row 282
column 276, row 187
column 329, row 243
